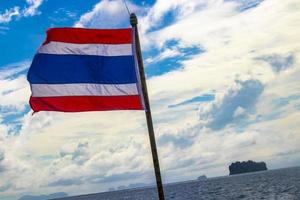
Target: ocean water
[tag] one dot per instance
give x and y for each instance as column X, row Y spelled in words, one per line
column 280, row 184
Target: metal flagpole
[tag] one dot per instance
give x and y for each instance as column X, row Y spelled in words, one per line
column 134, row 22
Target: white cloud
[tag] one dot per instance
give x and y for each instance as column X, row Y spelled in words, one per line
column 108, row 14
column 9, row 14
column 14, row 93
column 30, row 9
column 278, row 62
column 3, row 30
column 167, row 53
column 14, row 89
column 9, row 71
column 239, row 99
column 240, row 111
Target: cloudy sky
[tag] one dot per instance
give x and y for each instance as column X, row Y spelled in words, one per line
column 224, row 85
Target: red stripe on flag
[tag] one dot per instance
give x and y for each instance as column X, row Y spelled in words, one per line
column 89, row 36
column 85, row 103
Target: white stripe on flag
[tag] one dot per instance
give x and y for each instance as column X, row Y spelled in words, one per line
column 83, row 89
column 86, row 49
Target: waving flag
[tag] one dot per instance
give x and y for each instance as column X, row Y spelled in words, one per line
column 79, row 70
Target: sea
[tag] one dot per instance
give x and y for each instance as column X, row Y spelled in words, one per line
column 280, row 184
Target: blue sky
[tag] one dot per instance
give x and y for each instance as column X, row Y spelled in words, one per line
column 223, row 80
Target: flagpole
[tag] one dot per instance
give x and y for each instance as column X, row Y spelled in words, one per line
column 134, row 22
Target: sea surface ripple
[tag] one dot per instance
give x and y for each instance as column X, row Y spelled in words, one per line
column 280, row 184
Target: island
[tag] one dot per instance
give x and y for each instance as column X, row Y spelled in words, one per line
column 245, row 167
column 202, row 178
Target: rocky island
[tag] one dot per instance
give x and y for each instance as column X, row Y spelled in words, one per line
column 245, row 167
column 202, row 178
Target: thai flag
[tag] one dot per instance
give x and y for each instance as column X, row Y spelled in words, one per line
column 79, row 70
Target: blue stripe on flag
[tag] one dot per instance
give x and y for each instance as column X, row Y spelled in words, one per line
column 63, row 69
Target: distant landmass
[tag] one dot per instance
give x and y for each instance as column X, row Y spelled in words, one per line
column 202, row 178
column 44, row 197
column 245, row 167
